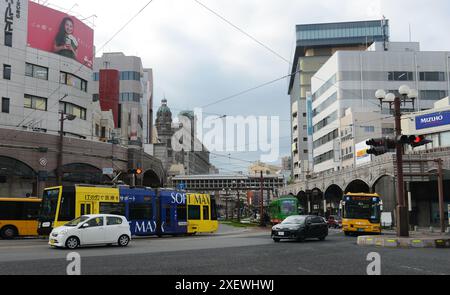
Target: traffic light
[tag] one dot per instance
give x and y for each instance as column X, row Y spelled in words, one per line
column 416, row 141
column 137, row 171
column 380, row 146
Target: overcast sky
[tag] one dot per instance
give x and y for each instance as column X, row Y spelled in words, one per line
column 197, row 58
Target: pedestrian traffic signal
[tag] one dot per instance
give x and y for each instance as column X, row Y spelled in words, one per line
column 380, row 146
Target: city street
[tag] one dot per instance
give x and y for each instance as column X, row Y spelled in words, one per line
column 230, row 252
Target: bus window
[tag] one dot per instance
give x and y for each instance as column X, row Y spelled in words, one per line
column 205, row 212
column 9, row 210
column 112, row 208
column 194, row 212
column 140, row 211
column 213, row 210
column 30, row 210
column 181, row 213
column 67, row 206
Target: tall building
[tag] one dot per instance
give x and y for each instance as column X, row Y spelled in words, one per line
column 135, row 91
column 316, row 43
column 349, row 80
column 40, row 78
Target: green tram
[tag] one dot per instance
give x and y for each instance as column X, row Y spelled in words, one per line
column 282, row 208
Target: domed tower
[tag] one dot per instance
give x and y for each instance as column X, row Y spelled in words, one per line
column 164, row 122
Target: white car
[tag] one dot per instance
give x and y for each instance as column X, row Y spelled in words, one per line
column 92, row 230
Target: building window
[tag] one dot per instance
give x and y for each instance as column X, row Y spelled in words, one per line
column 5, row 105
column 96, row 76
column 400, row 76
column 72, row 109
column 8, row 39
column 35, row 102
column 7, row 72
column 432, row 94
column 369, row 129
column 95, row 97
column 74, row 81
column 130, row 97
column 130, row 76
column 97, row 130
column 36, row 71
column 432, row 76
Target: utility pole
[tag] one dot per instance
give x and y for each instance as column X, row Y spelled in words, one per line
column 261, row 212
column 238, row 205
column 441, row 194
column 402, row 211
column 60, row 148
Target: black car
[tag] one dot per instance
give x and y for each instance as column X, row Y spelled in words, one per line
column 300, row 228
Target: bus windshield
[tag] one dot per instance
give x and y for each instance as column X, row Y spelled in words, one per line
column 362, row 210
column 49, row 204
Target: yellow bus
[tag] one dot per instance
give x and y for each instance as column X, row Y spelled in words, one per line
column 18, row 217
column 361, row 213
column 202, row 214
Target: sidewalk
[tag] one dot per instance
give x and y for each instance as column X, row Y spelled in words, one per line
column 419, row 239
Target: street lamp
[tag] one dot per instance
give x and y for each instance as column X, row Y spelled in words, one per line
column 63, row 118
column 406, row 95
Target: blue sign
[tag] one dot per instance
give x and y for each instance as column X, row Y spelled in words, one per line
column 181, row 186
column 433, row 120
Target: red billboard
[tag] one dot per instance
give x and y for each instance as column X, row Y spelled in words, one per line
column 54, row 31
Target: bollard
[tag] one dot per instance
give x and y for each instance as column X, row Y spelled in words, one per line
column 416, row 228
column 448, row 230
column 431, row 229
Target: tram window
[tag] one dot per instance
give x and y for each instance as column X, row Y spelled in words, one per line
column 181, row 213
column 168, row 219
column 141, row 211
column 205, row 212
column 67, row 207
column 194, row 213
column 213, row 210
column 112, row 208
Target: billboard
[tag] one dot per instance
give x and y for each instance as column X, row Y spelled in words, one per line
column 362, row 157
column 54, row 31
column 433, row 120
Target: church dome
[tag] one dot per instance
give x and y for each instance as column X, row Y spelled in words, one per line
column 164, row 109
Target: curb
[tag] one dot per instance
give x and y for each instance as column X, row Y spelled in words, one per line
column 408, row 243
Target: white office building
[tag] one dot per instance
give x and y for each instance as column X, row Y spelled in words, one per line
column 349, row 80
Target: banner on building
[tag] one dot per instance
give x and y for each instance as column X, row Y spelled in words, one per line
column 54, row 31
column 362, row 157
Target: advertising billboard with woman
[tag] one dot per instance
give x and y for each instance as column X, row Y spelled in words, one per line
column 54, row 31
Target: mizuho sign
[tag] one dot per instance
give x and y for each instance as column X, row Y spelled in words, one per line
column 433, row 120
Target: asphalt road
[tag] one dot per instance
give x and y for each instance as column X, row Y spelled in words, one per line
column 231, row 252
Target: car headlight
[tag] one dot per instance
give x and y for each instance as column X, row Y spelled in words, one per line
column 46, row 224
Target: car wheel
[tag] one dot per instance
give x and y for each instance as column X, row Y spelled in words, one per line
column 124, row 240
column 276, row 240
column 8, row 232
column 322, row 238
column 72, row 243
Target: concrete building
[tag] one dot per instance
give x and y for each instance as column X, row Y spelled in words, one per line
column 37, row 83
column 316, row 43
column 256, row 168
column 134, row 91
column 349, row 79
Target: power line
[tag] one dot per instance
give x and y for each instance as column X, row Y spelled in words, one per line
column 243, row 32
column 125, row 25
column 248, row 90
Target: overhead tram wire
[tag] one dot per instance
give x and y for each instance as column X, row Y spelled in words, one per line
column 125, row 25
column 243, row 32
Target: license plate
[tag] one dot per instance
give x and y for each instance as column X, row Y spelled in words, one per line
column 281, row 233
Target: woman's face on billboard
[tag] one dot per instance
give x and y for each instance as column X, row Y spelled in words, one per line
column 69, row 27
